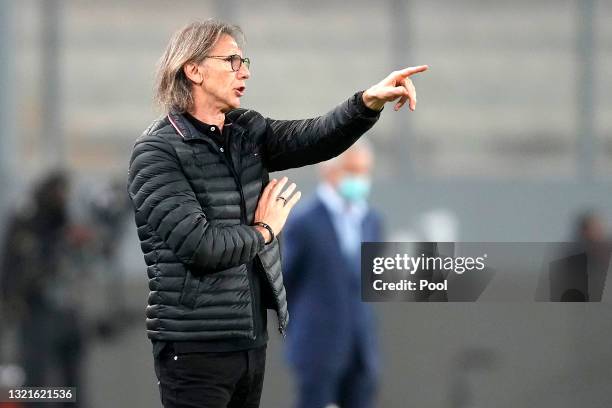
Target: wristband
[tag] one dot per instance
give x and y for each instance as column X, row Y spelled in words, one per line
column 269, row 228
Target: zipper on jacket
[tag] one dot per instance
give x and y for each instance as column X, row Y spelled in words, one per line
column 281, row 326
column 230, row 164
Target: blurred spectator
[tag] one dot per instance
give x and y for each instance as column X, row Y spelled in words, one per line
column 590, row 228
column 331, row 343
column 579, row 272
column 591, row 239
column 35, row 294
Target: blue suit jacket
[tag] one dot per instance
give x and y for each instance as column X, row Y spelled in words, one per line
column 327, row 317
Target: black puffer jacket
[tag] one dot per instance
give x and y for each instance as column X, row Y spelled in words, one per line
column 194, row 210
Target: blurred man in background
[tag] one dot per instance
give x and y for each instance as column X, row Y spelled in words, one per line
column 331, row 344
column 579, row 271
column 590, row 228
column 590, row 238
column 36, row 285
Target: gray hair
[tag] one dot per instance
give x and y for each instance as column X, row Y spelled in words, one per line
column 192, row 43
column 362, row 144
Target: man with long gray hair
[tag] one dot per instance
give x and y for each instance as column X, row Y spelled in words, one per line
column 208, row 215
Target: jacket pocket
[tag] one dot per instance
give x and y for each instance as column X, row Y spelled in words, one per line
column 190, row 289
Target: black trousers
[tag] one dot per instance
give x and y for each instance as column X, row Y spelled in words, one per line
column 211, row 379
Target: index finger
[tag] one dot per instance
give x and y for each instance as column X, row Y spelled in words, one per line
column 406, row 72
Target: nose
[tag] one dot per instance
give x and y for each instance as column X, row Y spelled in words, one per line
column 243, row 72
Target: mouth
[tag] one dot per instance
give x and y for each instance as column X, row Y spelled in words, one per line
column 240, row 91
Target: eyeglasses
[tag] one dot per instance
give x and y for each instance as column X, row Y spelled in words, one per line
column 235, row 60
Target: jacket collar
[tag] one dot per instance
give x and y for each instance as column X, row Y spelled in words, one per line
column 189, row 133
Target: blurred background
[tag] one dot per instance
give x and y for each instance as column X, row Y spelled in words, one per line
column 511, row 141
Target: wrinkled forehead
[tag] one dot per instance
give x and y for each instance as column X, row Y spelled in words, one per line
column 226, row 45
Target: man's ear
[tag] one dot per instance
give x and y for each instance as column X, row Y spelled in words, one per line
column 192, row 72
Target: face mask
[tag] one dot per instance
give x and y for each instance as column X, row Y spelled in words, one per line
column 354, row 188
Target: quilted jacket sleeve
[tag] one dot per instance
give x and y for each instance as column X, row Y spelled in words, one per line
column 165, row 203
column 297, row 143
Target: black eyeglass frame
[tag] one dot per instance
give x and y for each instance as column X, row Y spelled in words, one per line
column 231, row 59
